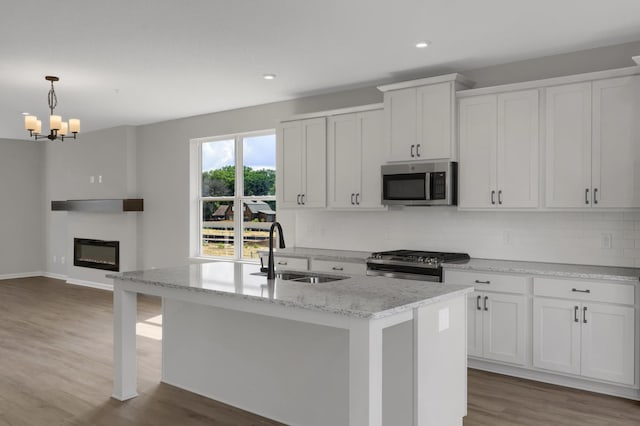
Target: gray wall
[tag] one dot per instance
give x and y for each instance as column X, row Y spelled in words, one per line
column 21, row 207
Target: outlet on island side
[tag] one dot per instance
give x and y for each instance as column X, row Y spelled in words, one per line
column 606, row 241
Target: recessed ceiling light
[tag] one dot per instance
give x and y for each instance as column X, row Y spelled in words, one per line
column 423, row 44
column 269, row 76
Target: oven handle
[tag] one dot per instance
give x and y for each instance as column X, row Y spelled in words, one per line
column 403, row 275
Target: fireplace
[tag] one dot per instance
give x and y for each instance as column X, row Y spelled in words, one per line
column 97, row 254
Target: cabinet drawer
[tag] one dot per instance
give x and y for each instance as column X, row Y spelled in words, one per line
column 290, row 263
column 484, row 281
column 584, row 290
column 339, row 267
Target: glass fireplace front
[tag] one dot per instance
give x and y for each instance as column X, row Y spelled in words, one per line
column 97, row 254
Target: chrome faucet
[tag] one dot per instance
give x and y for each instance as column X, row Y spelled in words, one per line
column 271, row 273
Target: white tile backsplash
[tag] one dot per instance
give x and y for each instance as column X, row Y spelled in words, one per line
column 564, row 237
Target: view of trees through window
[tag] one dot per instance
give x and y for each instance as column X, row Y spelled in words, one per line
column 223, row 189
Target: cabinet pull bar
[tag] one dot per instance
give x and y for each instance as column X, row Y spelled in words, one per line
column 358, row 198
column 418, row 150
column 485, row 303
column 500, row 197
column 337, row 268
column 282, row 263
column 482, row 282
column 580, row 291
column 298, row 198
column 586, row 196
column 493, row 193
column 302, row 198
column 478, row 303
column 584, row 314
column 352, row 202
column 575, row 314
column 412, row 154
column 595, row 195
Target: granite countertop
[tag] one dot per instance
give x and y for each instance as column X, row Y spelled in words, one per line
column 551, row 269
column 355, row 296
column 322, row 254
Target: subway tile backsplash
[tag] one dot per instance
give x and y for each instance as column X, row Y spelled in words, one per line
column 594, row 238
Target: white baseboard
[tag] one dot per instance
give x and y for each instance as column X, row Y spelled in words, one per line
column 93, row 284
column 21, row 275
column 55, row 276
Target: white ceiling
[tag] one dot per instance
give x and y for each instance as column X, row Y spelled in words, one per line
column 142, row 61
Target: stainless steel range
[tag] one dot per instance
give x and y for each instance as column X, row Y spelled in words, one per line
column 411, row 264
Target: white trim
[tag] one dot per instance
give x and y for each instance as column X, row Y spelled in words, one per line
column 55, row 276
column 92, row 284
column 339, row 111
column 555, row 81
column 21, row 275
column 455, row 77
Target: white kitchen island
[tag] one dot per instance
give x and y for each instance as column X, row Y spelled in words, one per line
column 358, row 351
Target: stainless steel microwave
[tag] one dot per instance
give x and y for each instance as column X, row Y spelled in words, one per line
column 432, row 183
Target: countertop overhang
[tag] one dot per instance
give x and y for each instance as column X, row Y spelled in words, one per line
column 355, row 296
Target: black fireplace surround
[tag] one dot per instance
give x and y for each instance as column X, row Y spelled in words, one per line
column 97, row 254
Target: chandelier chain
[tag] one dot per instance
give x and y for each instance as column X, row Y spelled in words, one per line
column 52, row 99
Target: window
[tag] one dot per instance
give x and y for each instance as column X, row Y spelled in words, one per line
column 236, row 181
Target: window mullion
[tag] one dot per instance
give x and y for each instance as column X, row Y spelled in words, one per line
column 239, row 216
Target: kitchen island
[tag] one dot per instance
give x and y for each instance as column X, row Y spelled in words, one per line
column 355, row 351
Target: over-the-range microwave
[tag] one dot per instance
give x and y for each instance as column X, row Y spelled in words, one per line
column 432, row 183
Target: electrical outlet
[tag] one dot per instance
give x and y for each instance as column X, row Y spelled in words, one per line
column 62, row 259
column 506, row 238
column 606, row 241
column 92, row 179
column 55, row 259
column 100, row 179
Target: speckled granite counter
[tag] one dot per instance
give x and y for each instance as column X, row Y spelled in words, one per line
column 322, row 254
column 354, row 296
column 551, row 269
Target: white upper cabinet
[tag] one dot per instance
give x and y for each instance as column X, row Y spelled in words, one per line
column 593, row 144
column 301, row 163
column 419, row 118
column 615, row 177
column 355, row 154
column 499, row 142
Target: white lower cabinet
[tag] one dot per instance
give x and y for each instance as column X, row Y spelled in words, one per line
column 594, row 340
column 497, row 327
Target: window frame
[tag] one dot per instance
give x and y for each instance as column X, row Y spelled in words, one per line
column 197, row 200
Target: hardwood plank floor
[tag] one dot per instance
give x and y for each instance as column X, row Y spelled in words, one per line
column 56, row 360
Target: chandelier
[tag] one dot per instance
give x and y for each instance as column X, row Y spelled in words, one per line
column 57, row 127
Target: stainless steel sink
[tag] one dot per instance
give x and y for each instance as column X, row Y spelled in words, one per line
column 304, row 277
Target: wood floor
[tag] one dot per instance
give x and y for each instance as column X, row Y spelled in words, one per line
column 55, row 369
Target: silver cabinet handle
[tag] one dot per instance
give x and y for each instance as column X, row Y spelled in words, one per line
column 478, row 303
column 575, row 314
column 337, row 268
column 302, row 196
column 418, row 150
column 282, row 263
column 412, row 154
column 358, row 198
column 298, row 198
column 485, row 303
column 586, row 196
column 584, row 314
column 352, row 202
column 500, row 197
column 575, row 290
column 482, row 282
column 493, row 193
column 595, row 195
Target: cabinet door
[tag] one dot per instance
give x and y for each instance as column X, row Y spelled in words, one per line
column 504, row 327
column 434, row 121
column 400, row 110
column 518, row 149
column 556, row 335
column 616, row 142
column 607, row 342
column 344, row 160
column 370, row 126
column 474, row 324
column 314, row 157
column 477, row 169
column 289, row 164
column 568, row 146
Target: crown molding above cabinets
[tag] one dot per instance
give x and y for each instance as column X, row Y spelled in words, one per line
column 420, row 118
